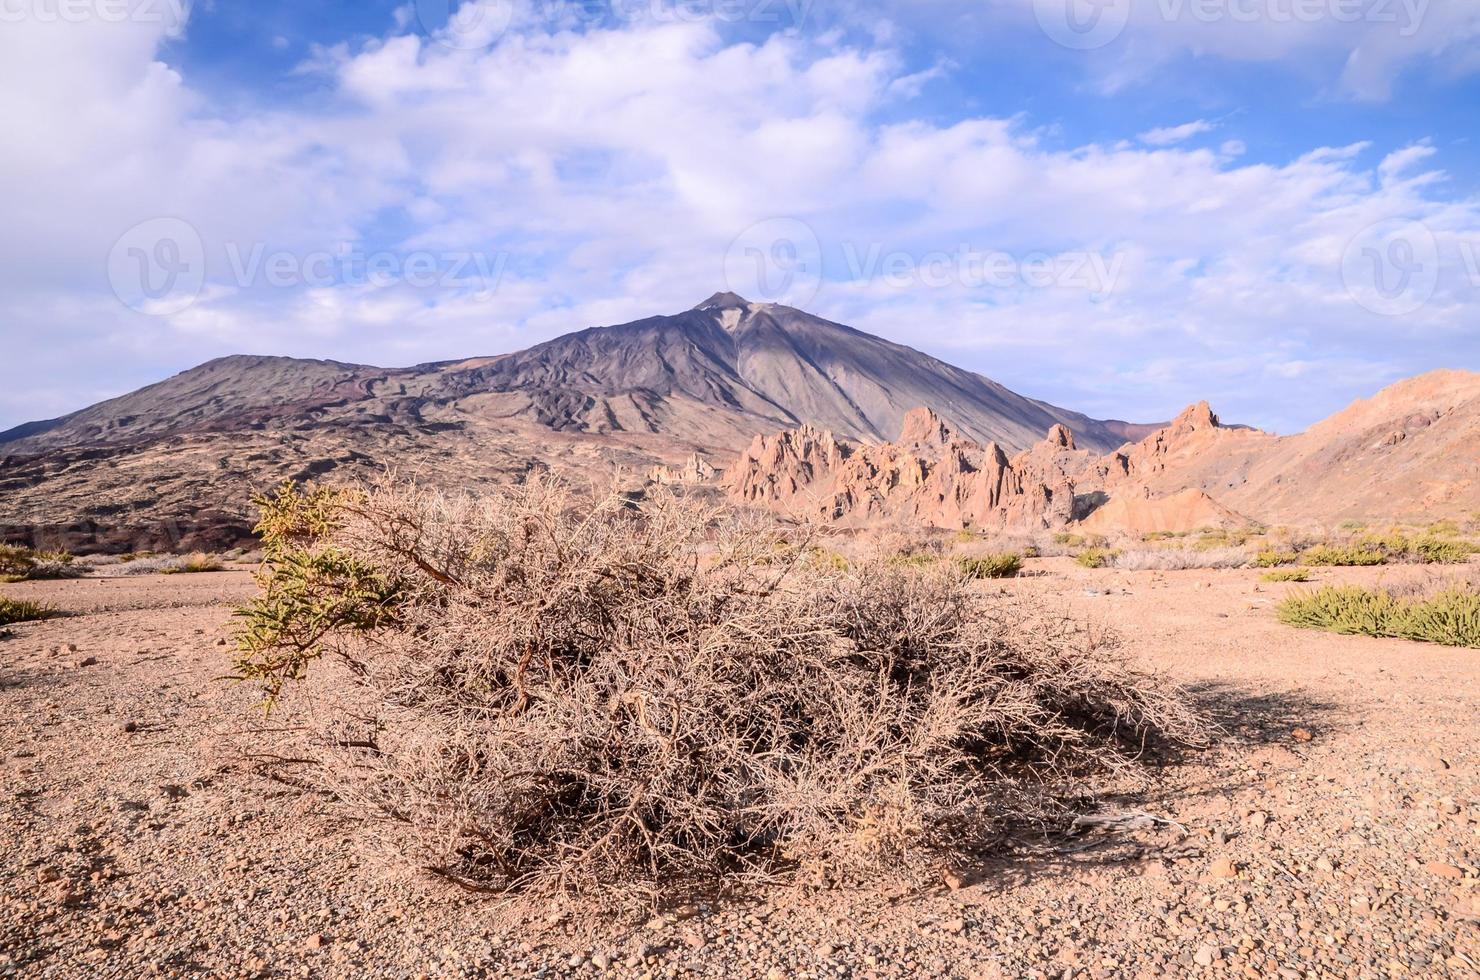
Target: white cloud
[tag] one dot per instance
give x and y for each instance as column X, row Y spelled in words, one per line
column 1172, row 135
column 613, row 168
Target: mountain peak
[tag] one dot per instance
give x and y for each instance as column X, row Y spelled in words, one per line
column 724, row 301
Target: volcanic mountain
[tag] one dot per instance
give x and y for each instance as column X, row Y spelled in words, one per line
column 178, row 460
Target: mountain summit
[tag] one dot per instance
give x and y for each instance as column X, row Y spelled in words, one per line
column 711, row 377
column 707, row 380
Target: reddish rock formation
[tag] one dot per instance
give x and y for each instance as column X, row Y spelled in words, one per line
column 931, row 476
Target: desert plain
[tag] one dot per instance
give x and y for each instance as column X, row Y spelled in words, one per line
column 1330, row 829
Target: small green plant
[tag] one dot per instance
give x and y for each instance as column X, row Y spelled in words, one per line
column 1286, row 575
column 1065, row 538
column 21, row 611
column 310, row 590
column 825, row 558
column 1273, row 558
column 1450, row 617
column 1005, row 565
column 1097, row 557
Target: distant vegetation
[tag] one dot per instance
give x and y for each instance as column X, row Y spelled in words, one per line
column 1286, row 575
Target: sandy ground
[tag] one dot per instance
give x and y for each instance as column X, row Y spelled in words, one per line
column 148, row 828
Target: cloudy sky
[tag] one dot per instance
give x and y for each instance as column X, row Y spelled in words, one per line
column 1121, row 206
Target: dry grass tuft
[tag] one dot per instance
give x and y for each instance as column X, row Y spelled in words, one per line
column 21, row 611
column 558, row 696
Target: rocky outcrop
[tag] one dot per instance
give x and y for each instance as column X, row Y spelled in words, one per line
column 694, row 470
column 931, row 476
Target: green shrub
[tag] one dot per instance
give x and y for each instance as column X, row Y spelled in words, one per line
column 310, row 589
column 1344, row 555
column 1273, row 558
column 825, row 558
column 1005, row 565
column 1065, row 538
column 1286, row 575
column 1442, row 552
column 1097, row 557
column 19, row 564
column 1450, row 617
column 19, row 611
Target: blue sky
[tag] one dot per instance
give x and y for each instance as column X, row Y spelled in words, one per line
column 1270, row 204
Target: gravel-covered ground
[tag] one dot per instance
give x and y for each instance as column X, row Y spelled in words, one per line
column 149, row 828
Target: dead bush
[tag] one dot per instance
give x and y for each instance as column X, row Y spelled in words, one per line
column 554, row 696
column 1179, row 559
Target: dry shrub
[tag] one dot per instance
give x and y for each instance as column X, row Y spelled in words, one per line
column 552, row 695
column 1177, row 559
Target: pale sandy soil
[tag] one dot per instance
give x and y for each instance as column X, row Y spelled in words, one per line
column 147, row 828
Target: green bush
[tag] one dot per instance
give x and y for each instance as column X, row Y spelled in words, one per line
column 1096, row 557
column 19, row 611
column 20, row 564
column 1367, row 553
column 1450, row 617
column 1005, row 565
column 1286, row 575
column 1273, row 558
column 1440, row 552
column 310, row 589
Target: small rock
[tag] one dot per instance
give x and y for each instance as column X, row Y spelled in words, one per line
column 316, row 941
column 1205, row 955
column 130, row 726
column 955, row 926
column 1301, row 735
column 1223, row 868
column 1444, row 870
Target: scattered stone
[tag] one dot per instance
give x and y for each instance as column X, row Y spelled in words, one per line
column 1444, row 870
column 1223, row 868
